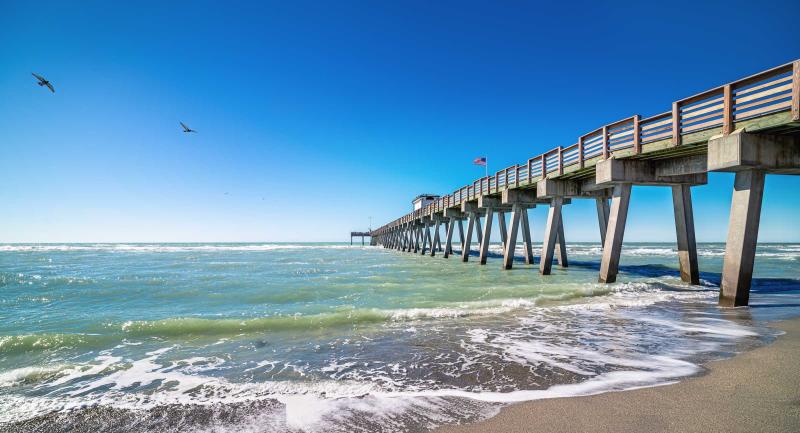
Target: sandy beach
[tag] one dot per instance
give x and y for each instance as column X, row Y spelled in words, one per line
column 756, row 391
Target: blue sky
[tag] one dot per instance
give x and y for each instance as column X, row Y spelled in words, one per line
column 313, row 116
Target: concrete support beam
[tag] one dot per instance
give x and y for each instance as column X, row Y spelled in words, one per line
column 744, row 151
column 520, row 201
column 425, row 234
column 478, row 228
column 473, row 217
column 549, row 188
column 550, row 234
column 487, row 234
column 511, row 241
column 681, row 165
column 501, row 220
column 469, row 206
column 435, row 244
column 561, row 245
column 420, row 237
column 740, row 248
column 426, row 237
column 398, row 238
column 568, row 189
column 590, row 184
column 526, row 238
column 455, row 217
column 461, row 233
column 485, row 202
column 609, row 264
column 438, row 240
column 602, row 217
column 684, row 228
column 641, row 172
column 525, row 197
column 448, row 244
column 453, row 213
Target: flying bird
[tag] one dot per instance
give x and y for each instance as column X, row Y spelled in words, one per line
column 186, row 128
column 43, row 82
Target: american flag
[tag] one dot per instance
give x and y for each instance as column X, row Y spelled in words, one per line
column 480, row 161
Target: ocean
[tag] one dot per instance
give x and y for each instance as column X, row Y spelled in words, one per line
column 307, row 337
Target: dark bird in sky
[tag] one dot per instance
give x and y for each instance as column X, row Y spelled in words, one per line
column 186, row 128
column 43, row 82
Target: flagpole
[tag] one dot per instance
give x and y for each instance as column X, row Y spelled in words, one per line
column 486, row 167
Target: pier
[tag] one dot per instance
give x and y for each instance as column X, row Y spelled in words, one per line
column 750, row 127
column 362, row 235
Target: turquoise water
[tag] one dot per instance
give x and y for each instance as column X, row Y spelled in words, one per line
column 328, row 337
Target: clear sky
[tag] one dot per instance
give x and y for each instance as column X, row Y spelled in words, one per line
column 314, row 116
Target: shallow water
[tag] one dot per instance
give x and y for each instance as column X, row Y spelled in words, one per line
column 328, row 337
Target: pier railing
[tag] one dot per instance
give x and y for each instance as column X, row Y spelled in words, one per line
column 769, row 92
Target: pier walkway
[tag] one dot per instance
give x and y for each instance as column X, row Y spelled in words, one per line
column 750, row 127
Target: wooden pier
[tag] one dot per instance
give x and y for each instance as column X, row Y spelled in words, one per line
column 750, row 127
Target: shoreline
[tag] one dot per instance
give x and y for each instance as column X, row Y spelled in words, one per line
column 756, row 390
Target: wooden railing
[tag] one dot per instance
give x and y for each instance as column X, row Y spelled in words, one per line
column 772, row 91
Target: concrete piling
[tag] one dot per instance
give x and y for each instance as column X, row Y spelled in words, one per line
column 550, row 235
column 487, row 234
column 684, row 228
column 473, row 216
column 501, row 221
column 511, row 239
column 618, row 214
column 602, row 217
column 561, row 245
column 526, row 237
column 740, row 248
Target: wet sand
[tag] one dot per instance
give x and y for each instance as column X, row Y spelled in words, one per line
column 756, row 391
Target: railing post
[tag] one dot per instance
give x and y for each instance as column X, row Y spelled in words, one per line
column 544, row 165
column 560, row 161
column 516, row 177
column 530, row 170
column 580, row 152
column 637, row 135
column 796, row 90
column 676, row 124
column 727, row 110
column 605, row 142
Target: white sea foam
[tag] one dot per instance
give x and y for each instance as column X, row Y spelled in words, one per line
column 16, row 376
